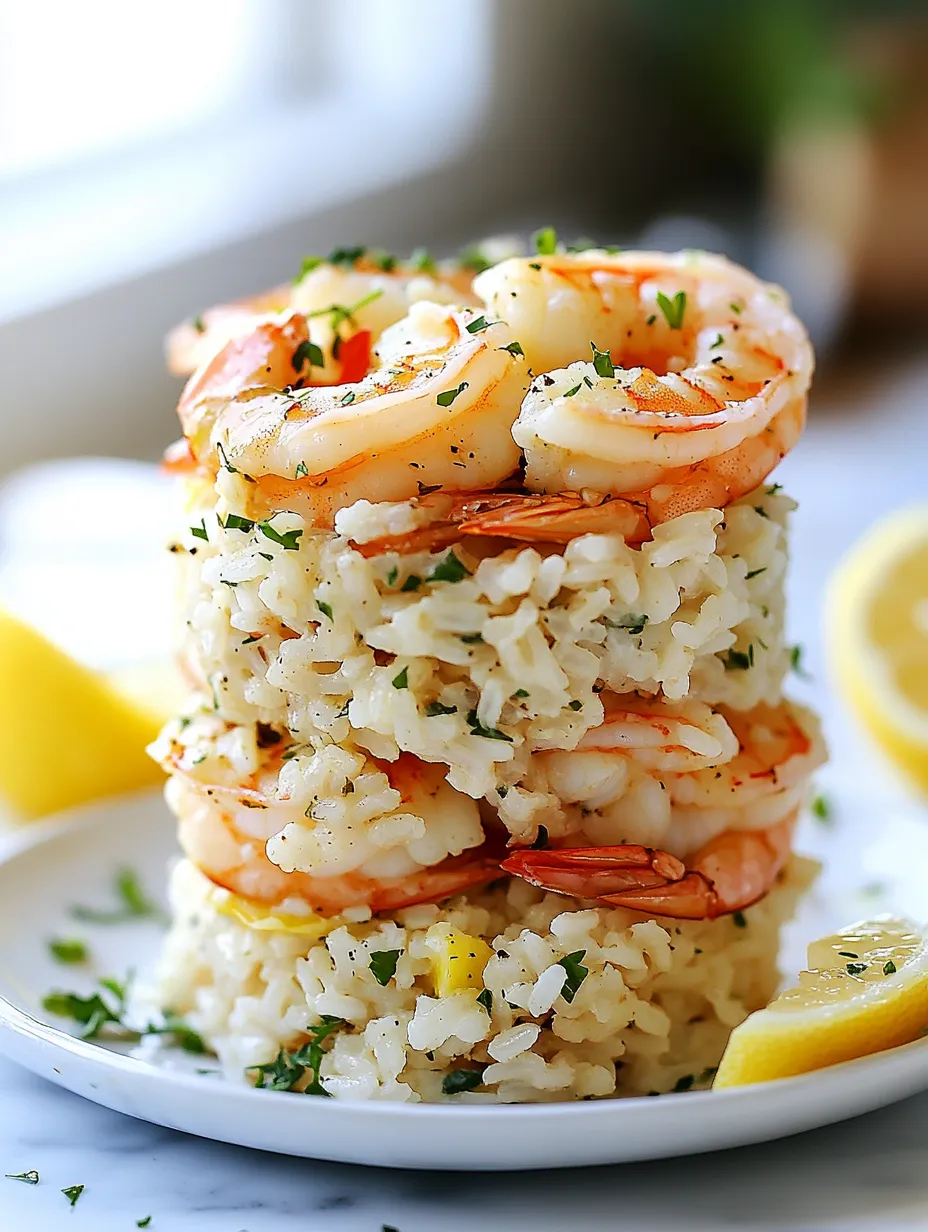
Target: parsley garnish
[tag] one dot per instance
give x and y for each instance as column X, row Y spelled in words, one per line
column 631, row 622
column 471, row 639
column 307, row 265
column 448, row 396
column 738, row 660
column 199, row 324
column 889, row 967
column 575, row 705
column 576, row 389
column 346, row 256
column 520, row 693
column 73, row 1192
column 545, row 241
column 856, row 968
column 383, row 260
column 673, row 309
column 449, row 570
column 143, row 1223
column 234, row 522
column 225, row 459
column 737, row 308
column 488, row 733
column 458, row 1080
column 473, row 259
column 576, row 974
column 199, row 532
column 307, row 352
column 30, row 1178
column 436, row 708
column 514, row 348
column 135, row 903
column 289, row 1069
column 68, row 950
column 485, row 999
column 419, row 259
column 289, row 540
column 103, row 1017
column 392, row 576
column 821, row 808
column 718, row 342
column 401, row 681
column 412, row 582
column 348, row 398
column 481, row 323
column 739, row 919
column 383, row 965
column 753, row 573
column 324, row 608
column 795, row 662
column 602, row 362
column 683, row 1084
column 342, row 312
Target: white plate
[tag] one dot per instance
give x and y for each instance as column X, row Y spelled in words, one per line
column 73, row 861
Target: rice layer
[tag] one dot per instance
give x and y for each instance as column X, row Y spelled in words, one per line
column 652, row 1007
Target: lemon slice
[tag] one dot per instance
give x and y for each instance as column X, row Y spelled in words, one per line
column 877, row 619
column 267, row 919
column 866, row 989
column 66, row 736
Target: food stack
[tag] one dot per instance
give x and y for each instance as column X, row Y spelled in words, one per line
column 488, row 785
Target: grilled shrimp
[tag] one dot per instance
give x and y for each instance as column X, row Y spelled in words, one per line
column 259, row 843
column 435, row 411
column 381, row 296
column 675, row 381
column 733, row 871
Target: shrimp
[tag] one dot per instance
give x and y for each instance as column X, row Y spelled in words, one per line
column 679, row 775
column 732, row 871
column 255, row 841
column 697, row 385
column 435, row 411
column 382, row 288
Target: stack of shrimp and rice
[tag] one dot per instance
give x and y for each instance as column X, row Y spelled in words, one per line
column 489, row 772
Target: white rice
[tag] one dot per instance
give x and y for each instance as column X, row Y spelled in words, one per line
column 653, row 1012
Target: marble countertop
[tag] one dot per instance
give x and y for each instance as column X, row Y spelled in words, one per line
column 868, row 1173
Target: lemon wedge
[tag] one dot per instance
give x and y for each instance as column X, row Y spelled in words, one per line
column 877, row 619
column 66, row 735
column 866, row 989
column 459, row 960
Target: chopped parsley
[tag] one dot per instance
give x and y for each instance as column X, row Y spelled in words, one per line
column 324, row 608
column 73, row 1192
column 631, row 623
column 718, row 342
column 602, row 362
column 401, row 681
column 488, row 733
column 576, row 974
column 448, row 396
column 392, row 576
column 199, row 532
column 383, row 965
column 348, row 398
column 346, row 256
column 856, row 968
column 576, row 389
column 307, row 352
column 288, row 1071
column 739, row 919
column 436, row 708
column 199, row 324
column 289, row 540
column 144, row 1222
column 473, row 259
column 736, row 308
column 307, row 265
column 889, row 967
column 420, row 260
column 485, row 999
column 382, row 260
column 520, row 693
column 134, row 903
column 683, row 1084
column 821, row 809
column 344, row 312
column 233, row 470
column 68, row 950
column 29, row 1178
column 514, row 348
column 103, row 1016
column 544, row 241
column 795, row 661
column 481, row 323
column 673, row 309
column 737, row 660
column 471, row 639
column 413, row 582
column 458, row 1080
column 234, row 522
column 753, row 573
column 449, row 570
column 575, row 705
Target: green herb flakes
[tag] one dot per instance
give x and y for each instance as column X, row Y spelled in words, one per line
column 683, row 1084
column 73, row 1192
column 68, row 950
column 392, row 576
column 413, row 582
column 383, row 965
column 448, row 396
column 348, row 257
column 436, row 708
column 199, row 324
column 632, row 623
column 856, row 968
column 822, row 810
column 673, row 309
column 348, row 398
column 576, row 389
column 144, row 1222
column 422, row 262
column 795, row 662
column 289, row 540
column 889, row 967
column 401, row 681
column 602, row 362
column 28, row 1178
column 473, row 259
column 520, row 693
column 134, row 903
column 575, row 705
column 199, row 532
column 753, row 573
column 514, row 348
column 289, row 1070
column 488, row 733
column 485, row 999
column 307, row 353
column 738, row 660
column 450, row 569
column 576, row 974
column 471, row 639
column 458, row 1080
column 481, row 323
column 324, row 608
column 307, row 265
column 739, row 919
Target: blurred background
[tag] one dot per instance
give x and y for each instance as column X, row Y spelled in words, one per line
column 157, row 158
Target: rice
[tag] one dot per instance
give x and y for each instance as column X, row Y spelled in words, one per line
column 651, row 1014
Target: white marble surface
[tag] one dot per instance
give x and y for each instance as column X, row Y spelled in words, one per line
column 854, row 464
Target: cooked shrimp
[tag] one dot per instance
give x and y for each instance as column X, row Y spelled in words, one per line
column 732, row 871
column 261, row 843
column 383, row 288
column 697, row 385
column 435, row 411
column 679, row 775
